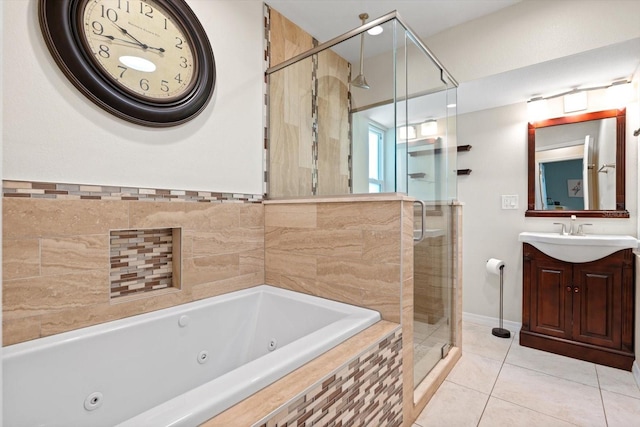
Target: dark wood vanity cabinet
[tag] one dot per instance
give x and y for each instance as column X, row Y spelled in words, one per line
column 580, row 310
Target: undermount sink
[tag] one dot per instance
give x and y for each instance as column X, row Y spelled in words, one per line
column 572, row 248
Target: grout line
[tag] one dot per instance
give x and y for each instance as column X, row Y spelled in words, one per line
column 604, row 410
column 496, row 380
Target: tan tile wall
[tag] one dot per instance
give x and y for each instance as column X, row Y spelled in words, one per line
column 309, row 142
column 291, row 134
column 56, row 258
column 407, row 311
column 345, row 251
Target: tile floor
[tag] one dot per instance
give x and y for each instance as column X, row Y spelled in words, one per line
column 499, row 383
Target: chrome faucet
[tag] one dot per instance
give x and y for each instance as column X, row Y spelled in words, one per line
column 580, row 231
column 572, row 225
column 573, row 231
column 563, row 231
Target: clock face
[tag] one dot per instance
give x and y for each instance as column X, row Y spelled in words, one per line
column 140, row 46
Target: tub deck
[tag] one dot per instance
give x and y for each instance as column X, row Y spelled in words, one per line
column 267, row 400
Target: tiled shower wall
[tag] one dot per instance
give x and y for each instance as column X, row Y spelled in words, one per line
column 56, row 251
column 308, row 143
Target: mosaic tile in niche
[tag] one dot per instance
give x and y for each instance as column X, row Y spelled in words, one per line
column 144, row 260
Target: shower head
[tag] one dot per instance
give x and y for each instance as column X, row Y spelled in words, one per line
column 359, row 80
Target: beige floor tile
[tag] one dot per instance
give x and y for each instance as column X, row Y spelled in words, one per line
column 618, row 381
column 478, row 339
column 500, row 413
column 567, row 400
column 476, row 372
column 621, row 411
column 453, row 406
column 553, row 364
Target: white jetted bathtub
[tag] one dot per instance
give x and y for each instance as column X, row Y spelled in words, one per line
column 174, row 367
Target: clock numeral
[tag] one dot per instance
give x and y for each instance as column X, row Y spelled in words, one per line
column 165, row 23
column 126, row 5
column 179, row 43
column 123, row 70
column 146, row 10
column 164, row 85
column 144, row 84
column 98, row 29
column 104, row 51
column 178, row 78
column 183, row 62
column 109, row 13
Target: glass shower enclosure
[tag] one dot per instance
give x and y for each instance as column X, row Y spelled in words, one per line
column 329, row 135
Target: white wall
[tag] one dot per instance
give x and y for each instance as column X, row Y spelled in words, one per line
column 499, row 163
column 531, row 32
column 53, row 133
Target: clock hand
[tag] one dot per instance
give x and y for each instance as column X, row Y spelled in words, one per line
column 126, row 33
column 142, row 45
column 120, row 40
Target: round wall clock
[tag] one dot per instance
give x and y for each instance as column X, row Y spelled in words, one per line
column 146, row 61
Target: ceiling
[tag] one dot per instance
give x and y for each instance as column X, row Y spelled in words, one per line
column 429, row 17
column 327, row 19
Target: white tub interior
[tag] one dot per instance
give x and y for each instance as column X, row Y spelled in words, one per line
column 179, row 366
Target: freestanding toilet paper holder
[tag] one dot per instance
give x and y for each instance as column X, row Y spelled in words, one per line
column 501, row 332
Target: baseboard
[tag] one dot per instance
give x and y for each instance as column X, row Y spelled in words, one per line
column 636, row 372
column 514, row 327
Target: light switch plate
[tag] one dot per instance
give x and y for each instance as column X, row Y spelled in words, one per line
column 510, row 201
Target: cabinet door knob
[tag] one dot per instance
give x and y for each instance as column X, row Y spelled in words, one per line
column 568, row 288
column 576, row 289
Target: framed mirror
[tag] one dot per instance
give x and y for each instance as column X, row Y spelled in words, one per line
column 576, row 166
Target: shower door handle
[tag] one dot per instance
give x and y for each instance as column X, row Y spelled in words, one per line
column 423, row 216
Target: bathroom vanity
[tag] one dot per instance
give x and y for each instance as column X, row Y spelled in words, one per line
column 579, row 306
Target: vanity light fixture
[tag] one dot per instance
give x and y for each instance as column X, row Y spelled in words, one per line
column 575, row 101
column 537, row 108
column 578, row 90
column 406, row 132
column 429, row 128
column 620, row 93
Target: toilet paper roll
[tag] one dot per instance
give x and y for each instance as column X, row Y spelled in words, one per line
column 494, row 265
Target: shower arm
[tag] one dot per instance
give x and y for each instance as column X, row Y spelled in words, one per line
column 362, row 52
column 364, row 18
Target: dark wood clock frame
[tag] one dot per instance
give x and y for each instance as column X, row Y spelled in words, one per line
column 59, row 22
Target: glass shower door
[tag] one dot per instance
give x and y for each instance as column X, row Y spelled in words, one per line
column 426, row 145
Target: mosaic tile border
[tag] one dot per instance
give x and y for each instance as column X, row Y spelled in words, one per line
column 59, row 191
column 366, row 392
